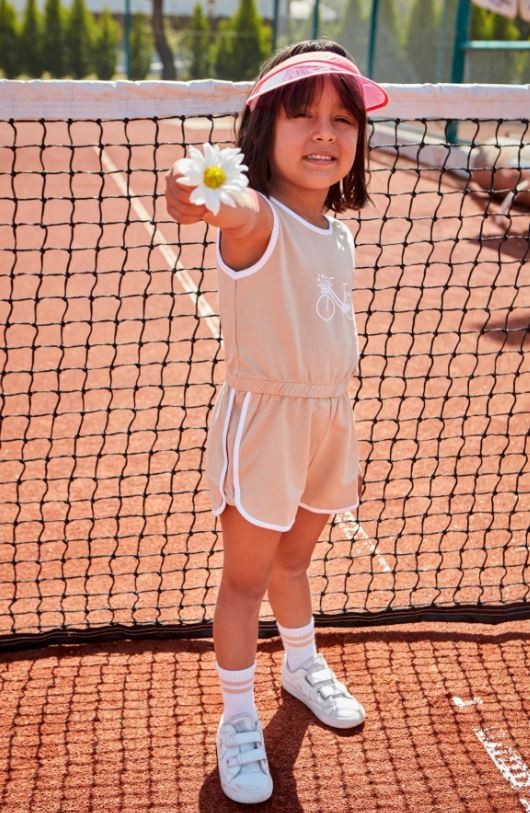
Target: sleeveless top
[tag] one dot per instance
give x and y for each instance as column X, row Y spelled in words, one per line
column 288, row 321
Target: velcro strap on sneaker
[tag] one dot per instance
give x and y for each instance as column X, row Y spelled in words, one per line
column 327, row 691
column 320, row 677
column 245, row 738
column 255, row 755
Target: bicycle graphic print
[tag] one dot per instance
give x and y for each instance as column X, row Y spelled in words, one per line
column 329, row 301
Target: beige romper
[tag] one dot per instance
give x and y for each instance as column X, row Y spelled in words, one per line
column 281, row 433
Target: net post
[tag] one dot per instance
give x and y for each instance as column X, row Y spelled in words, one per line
column 373, row 37
column 127, row 37
column 316, row 20
column 463, row 15
column 275, row 23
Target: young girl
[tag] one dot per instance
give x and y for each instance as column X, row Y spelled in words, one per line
column 282, row 454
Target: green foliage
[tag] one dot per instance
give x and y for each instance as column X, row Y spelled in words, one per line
column 9, row 39
column 54, row 37
column 243, row 43
column 197, row 43
column 421, row 39
column 496, row 67
column 510, row 64
column 141, row 47
column 481, row 23
column 354, row 33
column 31, row 40
column 80, row 38
column 107, row 40
column 390, row 62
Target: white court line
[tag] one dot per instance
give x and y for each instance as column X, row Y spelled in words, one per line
column 462, row 704
column 364, row 545
column 504, row 756
column 204, row 309
column 199, row 300
column 511, row 764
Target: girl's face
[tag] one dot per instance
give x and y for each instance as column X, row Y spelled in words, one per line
column 315, row 147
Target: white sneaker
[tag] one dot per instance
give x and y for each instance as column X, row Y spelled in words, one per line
column 316, row 685
column 243, row 766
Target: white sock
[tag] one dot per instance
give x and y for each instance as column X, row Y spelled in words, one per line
column 237, row 686
column 299, row 644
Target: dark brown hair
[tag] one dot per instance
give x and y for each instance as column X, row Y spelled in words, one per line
column 256, row 127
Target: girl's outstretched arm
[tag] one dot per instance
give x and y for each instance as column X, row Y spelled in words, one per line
column 246, row 215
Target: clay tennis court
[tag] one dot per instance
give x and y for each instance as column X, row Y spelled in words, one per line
column 111, row 362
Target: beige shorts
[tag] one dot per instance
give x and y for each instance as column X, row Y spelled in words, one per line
column 268, row 454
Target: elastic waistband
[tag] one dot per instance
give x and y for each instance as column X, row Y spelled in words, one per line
column 292, row 388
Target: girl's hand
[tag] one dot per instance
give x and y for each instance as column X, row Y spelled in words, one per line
column 178, row 202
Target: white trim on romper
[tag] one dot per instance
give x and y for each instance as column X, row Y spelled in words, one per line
column 300, row 219
column 217, row 511
column 247, row 272
column 237, row 485
column 329, row 510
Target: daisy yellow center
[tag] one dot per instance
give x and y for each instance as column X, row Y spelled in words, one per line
column 214, row 177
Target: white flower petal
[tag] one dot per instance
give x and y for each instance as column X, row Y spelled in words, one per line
column 211, row 200
column 198, row 196
column 225, row 198
column 187, row 181
column 196, row 156
column 184, row 165
column 233, row 188
column 242, row 198
column 211, row 154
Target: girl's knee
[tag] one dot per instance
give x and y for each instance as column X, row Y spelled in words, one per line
column 289, row 567
column 244, row 590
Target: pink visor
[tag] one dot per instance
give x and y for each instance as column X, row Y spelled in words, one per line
column 315, row 63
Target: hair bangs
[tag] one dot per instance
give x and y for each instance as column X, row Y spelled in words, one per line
column 300, row 95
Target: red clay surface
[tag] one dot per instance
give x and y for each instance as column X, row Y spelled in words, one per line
column 130, row 727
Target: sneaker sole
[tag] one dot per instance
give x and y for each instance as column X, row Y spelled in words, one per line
column 331, row 721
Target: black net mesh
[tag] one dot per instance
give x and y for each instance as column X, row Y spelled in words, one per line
column 110, row 356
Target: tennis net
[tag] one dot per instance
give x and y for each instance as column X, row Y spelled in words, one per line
column 111, row 357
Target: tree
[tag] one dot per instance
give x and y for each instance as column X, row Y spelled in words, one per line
column 422, row 35
column 141, row 47
column 509, row 63
column 31, row 40
column 390, row 62
column 223, row 53
column 80, row 37
column 9, row 40
column 54, row 39
column 198, row 41
column 106, row 45
column 245, row 44
column 496, row 67
column 354, row 34
column 161, row 44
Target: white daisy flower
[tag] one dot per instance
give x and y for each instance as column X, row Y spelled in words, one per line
column 217, row 175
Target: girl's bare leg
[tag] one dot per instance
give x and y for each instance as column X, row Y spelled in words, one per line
column 248, row 561
column 289, row 593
